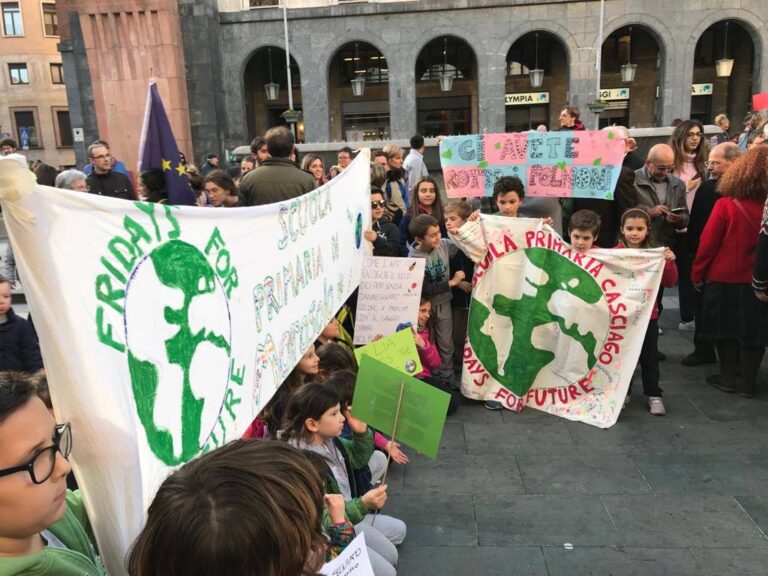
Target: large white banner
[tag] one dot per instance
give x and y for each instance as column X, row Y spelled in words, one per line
column 551, row 328
column 164, row 329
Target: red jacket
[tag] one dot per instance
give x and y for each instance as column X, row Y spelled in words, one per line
column 429, row 355
column 728, row 243
column 668, row 280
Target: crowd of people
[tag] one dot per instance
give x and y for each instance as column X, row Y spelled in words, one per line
column 320, row 477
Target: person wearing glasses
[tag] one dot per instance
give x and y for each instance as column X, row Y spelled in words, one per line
column 104, row 180
column 662, row 195
column 383, row 234
column 691, row 151
column 43, row 527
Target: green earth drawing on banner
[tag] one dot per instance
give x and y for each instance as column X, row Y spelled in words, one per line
column 525, row 361
column 179, row 381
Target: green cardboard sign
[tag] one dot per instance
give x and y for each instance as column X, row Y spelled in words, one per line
column 422, row 413
column 397, row 350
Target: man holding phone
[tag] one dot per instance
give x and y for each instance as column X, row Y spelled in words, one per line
column 662, row 195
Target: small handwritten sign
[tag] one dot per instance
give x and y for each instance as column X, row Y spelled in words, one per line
column 353, row 561
column 390, row 289
column 397, row 350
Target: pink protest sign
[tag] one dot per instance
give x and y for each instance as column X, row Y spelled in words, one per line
column 584, row 164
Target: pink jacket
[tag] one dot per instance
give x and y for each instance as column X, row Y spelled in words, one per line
column 668, row 280
column 429, row 355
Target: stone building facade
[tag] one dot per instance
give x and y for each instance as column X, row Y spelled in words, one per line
column 33, row 107
column 490, row 44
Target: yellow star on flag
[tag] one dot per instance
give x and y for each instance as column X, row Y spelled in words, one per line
column 166, row 164
column 181, row 169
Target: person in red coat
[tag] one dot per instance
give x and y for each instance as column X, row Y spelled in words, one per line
column 732, row 315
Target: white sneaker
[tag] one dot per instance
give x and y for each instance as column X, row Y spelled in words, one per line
column 657, row 406
column 661, row 331
column 687, row 326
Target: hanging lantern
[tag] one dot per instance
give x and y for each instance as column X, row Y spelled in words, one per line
column 358, row 82
column 271, row 88
column 537, row 74
column 628, row 70
column 724, row 66
column 446, row 77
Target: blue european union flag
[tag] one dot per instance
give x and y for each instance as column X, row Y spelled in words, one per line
column 159, row 150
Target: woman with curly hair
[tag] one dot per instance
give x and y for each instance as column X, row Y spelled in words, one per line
column 732, row 315
column 691, row 152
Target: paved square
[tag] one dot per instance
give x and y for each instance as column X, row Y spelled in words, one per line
column 680, row 495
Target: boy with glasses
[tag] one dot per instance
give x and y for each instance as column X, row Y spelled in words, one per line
column 44, row 528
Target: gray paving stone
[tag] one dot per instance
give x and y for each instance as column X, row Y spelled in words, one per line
column 682, row 521
column 735, row 437
column 468, row 474
column 757, row 508
column 581, row 474
column 466, row 561
column 705, row 474
column 732, row 562
column 436, row 520
column 547, row 520
column 656, row 436
column 621, row 562
column 726, row 407
column 525, row 416
column 549, row 437
column 474, row 412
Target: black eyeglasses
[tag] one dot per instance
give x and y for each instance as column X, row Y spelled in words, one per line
column 379, row 204
column 42, row 463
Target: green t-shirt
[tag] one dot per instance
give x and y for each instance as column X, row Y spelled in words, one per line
column 79, row 558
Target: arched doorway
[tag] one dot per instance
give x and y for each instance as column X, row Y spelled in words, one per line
column 536, row 81
column 263, row 112
column 358, row 86
column 446, row 88
column 712, row 91
column 630, row 78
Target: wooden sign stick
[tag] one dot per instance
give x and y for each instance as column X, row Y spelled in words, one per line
column 394, row 434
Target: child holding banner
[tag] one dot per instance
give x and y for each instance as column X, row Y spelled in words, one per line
column 456, row 214
column 314, row 421
column 437, row 285
column 634, row 232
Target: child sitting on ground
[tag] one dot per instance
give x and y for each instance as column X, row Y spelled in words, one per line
column 314, row 421
column 267, row 423
column 428, row 354
column 245, row 508
column 437, row 285
column 44, row 528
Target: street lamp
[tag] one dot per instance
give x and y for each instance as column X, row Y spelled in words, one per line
column 358, row 82
column 724, row 66
column 537, row 74
column 628, row 70
column 446, row 78
column 288, row 73
column 271, row 88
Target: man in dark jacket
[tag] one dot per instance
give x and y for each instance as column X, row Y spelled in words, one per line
column 720, row 159
column 104, row 181
column 278, row 178
column 19, row 348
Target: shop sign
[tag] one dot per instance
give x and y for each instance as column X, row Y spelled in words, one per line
column 523, row 99
column 701, row 89
column 614, row 94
